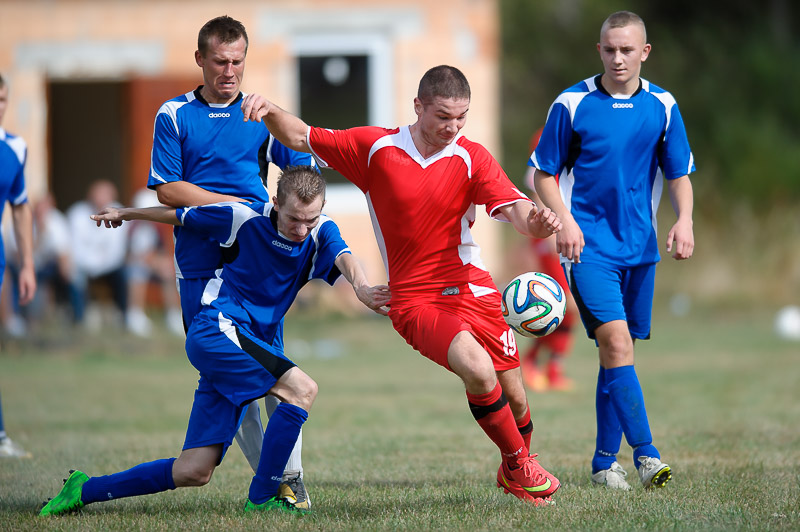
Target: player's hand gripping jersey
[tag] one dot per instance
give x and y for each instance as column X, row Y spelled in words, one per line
column 610, row 153
column 262, row 271
column 211, row 146
column 422, row 209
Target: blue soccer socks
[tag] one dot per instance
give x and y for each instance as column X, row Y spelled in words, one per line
column 280, row 436
column 609, row 430
column 626, row 396
column 143, row 479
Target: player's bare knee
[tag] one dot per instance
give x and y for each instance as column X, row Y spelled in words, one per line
column 476, row 378
column 471, row 363
column 192, row 473
column 297, row 388
column 200, row 476
column 485, row 381
column 616, row 349
column 307, row 393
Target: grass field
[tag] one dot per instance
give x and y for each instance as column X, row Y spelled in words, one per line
column 390, row 443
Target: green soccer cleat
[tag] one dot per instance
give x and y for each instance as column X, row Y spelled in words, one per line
column 275, row 503
column 68, row 499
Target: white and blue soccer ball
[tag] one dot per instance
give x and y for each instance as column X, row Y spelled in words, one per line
column 534, row 304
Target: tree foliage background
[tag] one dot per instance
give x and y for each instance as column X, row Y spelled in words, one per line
column 734, row 68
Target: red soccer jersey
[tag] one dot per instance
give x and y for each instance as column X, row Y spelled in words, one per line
column 422, row 209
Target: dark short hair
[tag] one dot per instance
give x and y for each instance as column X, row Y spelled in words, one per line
column 303, row 181
column 443, row 81
column 224, row 28
column 622, row 19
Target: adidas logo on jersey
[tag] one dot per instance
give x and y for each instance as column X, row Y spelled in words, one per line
column 219, row 115
column 622, row 105
column 281, row 245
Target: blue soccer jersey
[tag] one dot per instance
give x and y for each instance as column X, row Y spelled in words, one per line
column 610, row 154
column 12, row 177
column 211, row 146
column 262, row 271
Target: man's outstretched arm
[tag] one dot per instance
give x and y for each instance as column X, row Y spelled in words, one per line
column 113, row 217
column 374, row 297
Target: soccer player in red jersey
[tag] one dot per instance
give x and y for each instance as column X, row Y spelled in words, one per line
column 423, row 183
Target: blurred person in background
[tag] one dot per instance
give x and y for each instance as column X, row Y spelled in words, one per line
column 53, row 265
column 150, row 260
column 541, row 376
column 98, row 257
column 613, row 139
column 13, row 154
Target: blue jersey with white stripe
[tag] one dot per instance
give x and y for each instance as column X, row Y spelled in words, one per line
column 262, row 271
column 13, row 153
column 211, row 146
column 610, row 153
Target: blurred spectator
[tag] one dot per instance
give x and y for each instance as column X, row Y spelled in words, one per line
column 98, row 255
column 541, row 376
column 52, row 263
column 150, row 259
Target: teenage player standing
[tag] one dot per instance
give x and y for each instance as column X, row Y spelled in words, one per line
column 204, row 152
column 423, row 183
column 611, row 138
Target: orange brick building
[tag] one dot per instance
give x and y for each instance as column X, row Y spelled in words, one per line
column 87, row 77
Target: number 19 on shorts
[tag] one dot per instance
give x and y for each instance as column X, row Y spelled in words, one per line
column 509, row 343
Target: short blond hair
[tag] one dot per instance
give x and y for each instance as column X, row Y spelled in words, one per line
column 303, row 181
column 622, row 19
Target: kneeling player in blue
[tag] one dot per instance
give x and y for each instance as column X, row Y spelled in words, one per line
column 270, row 251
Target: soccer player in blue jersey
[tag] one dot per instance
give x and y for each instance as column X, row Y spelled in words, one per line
column 13, row 153
column 612, row 139
column 269, row 252
column 204, row 152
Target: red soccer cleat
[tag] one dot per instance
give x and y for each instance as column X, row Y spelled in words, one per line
column 529, row 481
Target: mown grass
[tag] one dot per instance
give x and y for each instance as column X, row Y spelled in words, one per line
column 390, row 443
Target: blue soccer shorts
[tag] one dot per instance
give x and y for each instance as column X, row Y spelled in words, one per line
column 607, row 293
column 235, row 368
column 191, row 293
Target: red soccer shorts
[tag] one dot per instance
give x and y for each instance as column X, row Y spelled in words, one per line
column 429, row 324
